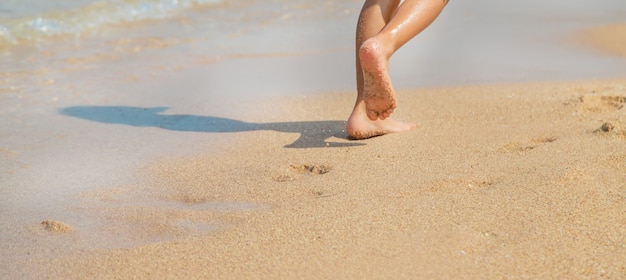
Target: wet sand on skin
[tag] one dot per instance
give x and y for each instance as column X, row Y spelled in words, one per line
column 497, row 181
column 523, row 180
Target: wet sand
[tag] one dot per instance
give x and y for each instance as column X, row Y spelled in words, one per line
column 497, row 181
column 521, row 180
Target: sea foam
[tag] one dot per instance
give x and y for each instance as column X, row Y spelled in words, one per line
column 50, row 22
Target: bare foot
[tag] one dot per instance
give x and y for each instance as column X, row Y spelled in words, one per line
column 359, row 125
column 378, row 92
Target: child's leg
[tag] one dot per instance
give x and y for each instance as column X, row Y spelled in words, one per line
column 375, row 14
column 411, row 18
column 382, row 29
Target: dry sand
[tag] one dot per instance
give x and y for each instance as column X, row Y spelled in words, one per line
column 609, row 39
column 497, row 181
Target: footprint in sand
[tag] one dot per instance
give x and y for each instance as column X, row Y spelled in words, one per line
column 311, row 169
column 322, row 193
column 56, row 226
column 527, row 145
column 610, row 106
column 602, row 103
column 302, row 169
column 614, row 128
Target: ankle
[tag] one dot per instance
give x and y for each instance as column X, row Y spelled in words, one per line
column 377, row 47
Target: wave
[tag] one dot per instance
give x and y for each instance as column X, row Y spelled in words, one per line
column 79, row 20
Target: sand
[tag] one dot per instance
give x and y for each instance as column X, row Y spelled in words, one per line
column 604, row 39
column 56, row 226
column 499, row 181
column 521, row 180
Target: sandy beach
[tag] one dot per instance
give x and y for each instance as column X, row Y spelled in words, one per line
column 501, row 181
column 186, row 165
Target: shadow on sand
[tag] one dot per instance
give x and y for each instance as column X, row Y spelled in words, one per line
column 313, row 134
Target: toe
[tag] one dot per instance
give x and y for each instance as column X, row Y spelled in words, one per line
column 372, row 115
column 386, row 114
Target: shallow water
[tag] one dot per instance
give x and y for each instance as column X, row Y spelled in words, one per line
column 39, row 20
column 480, row 42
